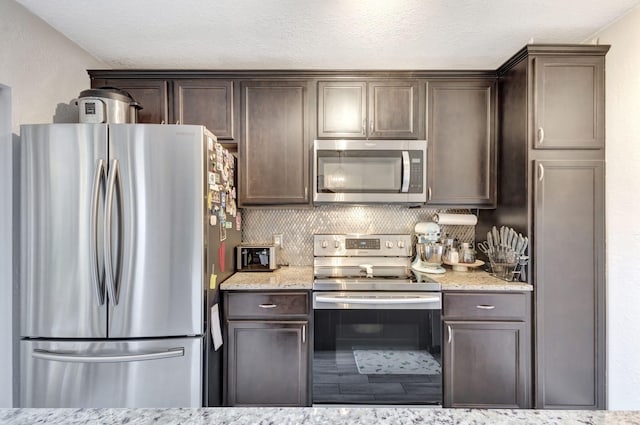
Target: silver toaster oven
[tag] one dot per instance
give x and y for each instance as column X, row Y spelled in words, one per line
column 256, row 258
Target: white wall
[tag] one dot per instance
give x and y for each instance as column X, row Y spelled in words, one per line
column 42, row 67
column 623, row 208
column 40, row 73
column 7, row 312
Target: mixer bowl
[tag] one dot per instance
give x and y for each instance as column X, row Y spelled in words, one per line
column 430, row 253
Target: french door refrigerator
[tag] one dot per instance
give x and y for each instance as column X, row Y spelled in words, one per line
column 116, row 252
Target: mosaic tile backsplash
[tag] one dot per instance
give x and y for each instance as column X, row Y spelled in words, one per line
column 299, row 225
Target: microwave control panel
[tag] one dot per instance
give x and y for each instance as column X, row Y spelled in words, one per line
column 417, row 172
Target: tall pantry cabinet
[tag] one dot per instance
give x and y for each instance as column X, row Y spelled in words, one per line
column 551, row 172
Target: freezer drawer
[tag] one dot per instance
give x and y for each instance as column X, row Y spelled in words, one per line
column 150, row 373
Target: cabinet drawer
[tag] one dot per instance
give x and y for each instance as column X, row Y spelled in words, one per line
column 266, row 304
column 487, row 306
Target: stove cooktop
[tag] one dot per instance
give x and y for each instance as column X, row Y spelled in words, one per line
column 342, row 262
column 416, row 281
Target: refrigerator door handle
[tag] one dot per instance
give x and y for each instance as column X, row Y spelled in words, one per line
column 114, row 171
column 93, row 243
column 81, row 358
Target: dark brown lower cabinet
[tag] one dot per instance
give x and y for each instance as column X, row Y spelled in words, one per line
column 267, row 363
column 484, row 365
column 486, row 350
column 569, row 273
column 267, row 354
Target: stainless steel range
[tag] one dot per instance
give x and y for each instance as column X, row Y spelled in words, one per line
column 376, row 323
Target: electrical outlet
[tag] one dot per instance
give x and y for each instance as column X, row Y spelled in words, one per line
column 278, row 240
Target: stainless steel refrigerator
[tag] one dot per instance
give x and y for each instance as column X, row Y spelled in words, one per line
column 121, row 229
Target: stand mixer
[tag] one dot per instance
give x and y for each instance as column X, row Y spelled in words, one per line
column 428, row 250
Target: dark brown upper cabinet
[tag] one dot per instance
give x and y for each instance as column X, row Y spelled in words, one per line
column 207, row 102
column 462, row 143
column 568, row 95
column 274, row 144
column 202, row 101
column 151, row 94
column 369, row 109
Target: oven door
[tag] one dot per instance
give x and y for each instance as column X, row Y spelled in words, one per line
column 381, row 348
column 370, row 171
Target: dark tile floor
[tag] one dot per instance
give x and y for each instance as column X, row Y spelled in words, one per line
column 336, row 380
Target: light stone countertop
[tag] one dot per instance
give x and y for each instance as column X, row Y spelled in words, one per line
column 288, row 277
column 476, row 280
column 301, row 278
column 314, row 416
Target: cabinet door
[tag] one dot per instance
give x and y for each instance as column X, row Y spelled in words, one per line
column 568, row 102
column 485, row 364
column 267, row 363
column 393, row 109
column 206, row 102
column 570, row 284
column 342, row 108
column 274, row 148
column 462, row 148
column 151, row 94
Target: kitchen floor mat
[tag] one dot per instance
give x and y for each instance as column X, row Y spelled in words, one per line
column 395, row 362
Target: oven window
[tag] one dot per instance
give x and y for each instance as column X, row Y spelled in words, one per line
column 361, row 172
column 377, row 357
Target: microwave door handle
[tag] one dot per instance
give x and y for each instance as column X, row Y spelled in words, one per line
column 406, row 171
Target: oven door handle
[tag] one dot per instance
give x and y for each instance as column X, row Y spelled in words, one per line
column 377, row 300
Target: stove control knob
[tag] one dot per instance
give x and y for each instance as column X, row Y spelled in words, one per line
column 389, row 244
column 324, row 244
column 337, row 244
column 400, row 244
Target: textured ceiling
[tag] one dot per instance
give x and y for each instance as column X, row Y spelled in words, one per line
column 321, row 34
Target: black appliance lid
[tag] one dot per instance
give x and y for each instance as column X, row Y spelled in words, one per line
column 114, row 93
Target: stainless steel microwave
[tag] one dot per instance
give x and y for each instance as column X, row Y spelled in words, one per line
column 370, row 171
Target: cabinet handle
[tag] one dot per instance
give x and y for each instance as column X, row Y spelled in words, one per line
column 540, row 172
column 364, row 126
column 429, row 192
column 268, row 305
column 540, row 135
column 371, row 127
column 449, row 337
column 306, row 191
column 485, row 307
column 304, row 334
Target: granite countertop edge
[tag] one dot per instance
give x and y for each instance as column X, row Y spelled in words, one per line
column 314, row 415
column 301, row 278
